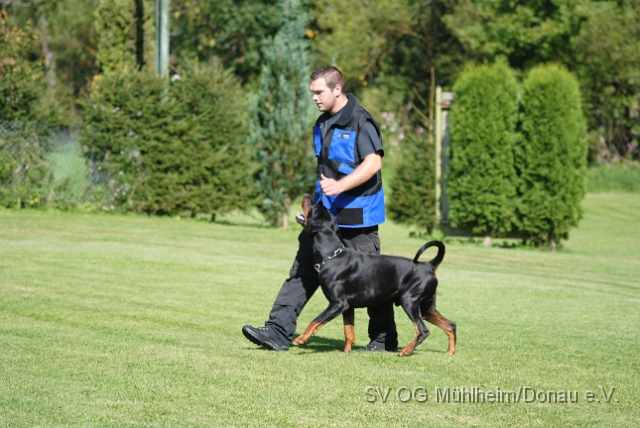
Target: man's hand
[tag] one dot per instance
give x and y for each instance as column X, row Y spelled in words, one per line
column 370, row 165
column 329, row 186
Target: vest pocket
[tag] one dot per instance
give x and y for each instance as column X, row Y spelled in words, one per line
column 353, row 216
column 343, row 146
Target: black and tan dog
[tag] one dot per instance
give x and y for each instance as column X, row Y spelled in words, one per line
column 352, row 279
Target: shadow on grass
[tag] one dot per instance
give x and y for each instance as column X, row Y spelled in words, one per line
column 240, row 224
column 321, row 344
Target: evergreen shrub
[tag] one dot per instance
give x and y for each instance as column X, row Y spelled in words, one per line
column 115, row 27
column 166, row 147
column 481, row 176
column 21, row 71
column 412, row 185
column 25, row 178
column 551, row 155
column 41, row 167
column 23, row 93
column 218, row 177
column 282, row 119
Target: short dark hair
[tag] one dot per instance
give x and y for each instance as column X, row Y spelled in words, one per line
column 331, row 75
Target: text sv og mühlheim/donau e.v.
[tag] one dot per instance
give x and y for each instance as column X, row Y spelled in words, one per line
column 475, row 395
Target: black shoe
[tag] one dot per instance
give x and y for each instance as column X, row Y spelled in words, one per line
column 378, row 347
column 260, row 336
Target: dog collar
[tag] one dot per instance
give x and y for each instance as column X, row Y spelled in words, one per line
column 336, row 253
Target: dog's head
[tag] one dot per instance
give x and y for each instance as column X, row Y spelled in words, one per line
column 317, row 217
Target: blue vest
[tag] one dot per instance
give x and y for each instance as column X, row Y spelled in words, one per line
column 335, row 148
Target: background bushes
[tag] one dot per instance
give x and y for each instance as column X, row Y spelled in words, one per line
column 551, row 156
column 481, row 177
column 23, row 93
column 412, row 198
column 41, row 167
column 24, row 176
column 167, row 147
column 282, row 117
column 530, row 182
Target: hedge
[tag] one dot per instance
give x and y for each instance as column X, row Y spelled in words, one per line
column 481, row 177
column 412, row 185
column 168, row 147
column 551, row 155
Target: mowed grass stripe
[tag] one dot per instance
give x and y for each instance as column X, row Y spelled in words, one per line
column 132, row 321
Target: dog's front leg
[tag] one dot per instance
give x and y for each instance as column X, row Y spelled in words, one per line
column 333, row 310
column 348, row 317
column 311, row 330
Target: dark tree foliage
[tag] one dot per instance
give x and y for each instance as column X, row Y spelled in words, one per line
column 125, row 31
column 412, row 197
column 481, row 177
column 168, row 147
column 607, row 53
column 230, row 30
column 526, row 32
column 282, row 119
column 218, row 172
column 21, row 71
column 551, row 156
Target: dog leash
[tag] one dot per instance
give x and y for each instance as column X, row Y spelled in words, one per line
column 337, row 252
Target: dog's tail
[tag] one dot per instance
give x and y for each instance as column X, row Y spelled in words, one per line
column 438, row 258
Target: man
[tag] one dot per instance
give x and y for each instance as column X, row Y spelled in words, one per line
column 349, row 183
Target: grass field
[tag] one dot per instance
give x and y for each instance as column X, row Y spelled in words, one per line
column 132, row 321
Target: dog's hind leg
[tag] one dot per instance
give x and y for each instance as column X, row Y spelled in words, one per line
column 332, row 311
column 413, row 310
column 348, row 318
column 449, row 327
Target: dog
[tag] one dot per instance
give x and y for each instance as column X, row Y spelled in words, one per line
column 352, row 279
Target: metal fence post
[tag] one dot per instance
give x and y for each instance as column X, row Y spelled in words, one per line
column 438, row 143
column 162, row 37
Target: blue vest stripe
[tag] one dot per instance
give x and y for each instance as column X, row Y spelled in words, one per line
column 372, row 206
column 317, row 140
column 346, row 169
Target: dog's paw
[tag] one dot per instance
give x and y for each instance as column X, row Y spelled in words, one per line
column 298, row 341
column 405, row 352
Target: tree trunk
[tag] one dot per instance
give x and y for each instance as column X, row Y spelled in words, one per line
column 50, row 63
column 285, row 215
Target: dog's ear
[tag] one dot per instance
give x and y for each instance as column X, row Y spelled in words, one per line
column 307, row 204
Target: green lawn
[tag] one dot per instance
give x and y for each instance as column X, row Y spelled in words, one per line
column 132, row 321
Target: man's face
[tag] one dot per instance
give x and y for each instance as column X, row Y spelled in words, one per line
column 323, row 96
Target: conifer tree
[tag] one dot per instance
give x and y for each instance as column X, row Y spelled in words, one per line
column 21, row 71
column 116, row 31
column 216, row 172
column 282, row 118
column 551, row 155
column 412, row 198
column 170, row 147
column 147, row 16
column 481, row 177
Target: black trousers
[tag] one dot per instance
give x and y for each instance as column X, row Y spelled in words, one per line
column 303, row 282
